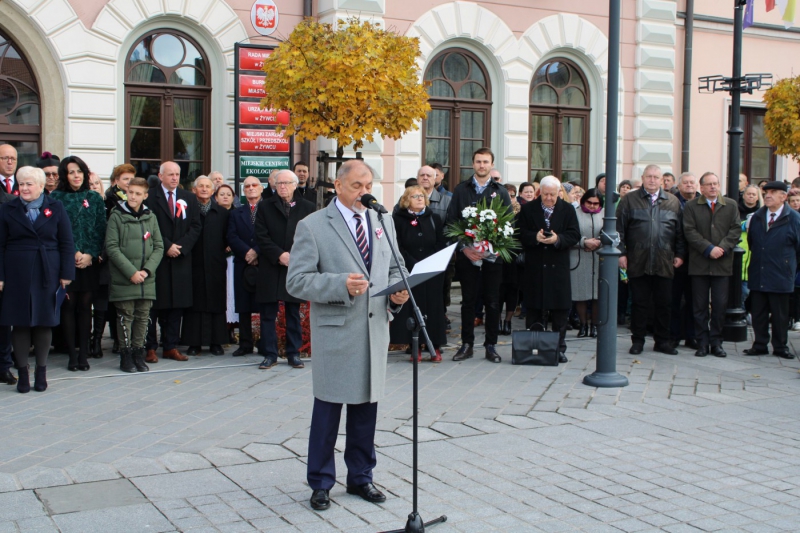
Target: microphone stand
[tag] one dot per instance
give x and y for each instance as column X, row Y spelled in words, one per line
column 416, row 324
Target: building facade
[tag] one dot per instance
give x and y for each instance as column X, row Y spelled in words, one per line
column 145, row 81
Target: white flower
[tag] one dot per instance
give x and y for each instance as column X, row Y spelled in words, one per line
column 469, row 212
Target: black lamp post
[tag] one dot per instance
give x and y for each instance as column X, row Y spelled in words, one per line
column 606, row 374
column 735, row 329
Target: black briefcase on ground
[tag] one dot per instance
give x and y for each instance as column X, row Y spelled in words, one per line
column 534, row 347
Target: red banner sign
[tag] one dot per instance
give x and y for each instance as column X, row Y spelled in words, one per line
column 251, row 86
column 251, row 140
column 252, row 58
column 250, row 113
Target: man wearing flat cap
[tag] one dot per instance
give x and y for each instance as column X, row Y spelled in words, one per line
column 774, row 240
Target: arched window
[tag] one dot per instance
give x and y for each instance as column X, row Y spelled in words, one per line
column 559, row 126
column 167, row 104
column 20, row 107
column 461, row 106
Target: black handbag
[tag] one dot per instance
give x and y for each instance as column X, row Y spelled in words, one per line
column 534, row 347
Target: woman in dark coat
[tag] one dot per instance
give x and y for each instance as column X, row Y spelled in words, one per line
column 86, row 211
column 276, row 223
column 37, row 255
column 204, row 323
column 548, row 228
column 420, row 235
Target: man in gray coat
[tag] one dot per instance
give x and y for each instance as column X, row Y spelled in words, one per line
column 341, row 256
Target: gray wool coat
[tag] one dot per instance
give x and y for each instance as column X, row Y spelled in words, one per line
column 349, row 334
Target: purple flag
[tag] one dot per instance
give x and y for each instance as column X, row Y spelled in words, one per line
column 748, row 15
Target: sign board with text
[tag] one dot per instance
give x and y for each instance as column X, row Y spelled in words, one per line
column 261, row 166
column 259, row 148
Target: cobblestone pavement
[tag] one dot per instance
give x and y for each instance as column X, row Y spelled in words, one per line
column 217, row 445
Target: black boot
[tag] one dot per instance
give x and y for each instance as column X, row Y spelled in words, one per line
column 506, row 329
column 584, row 331
column 24, row 380
column 115, row 346
column 138, row 360
column 126, row 360
column 72, row 365
column 95, row 349
column 83, row 359
column 40, row 379
column 593, row 331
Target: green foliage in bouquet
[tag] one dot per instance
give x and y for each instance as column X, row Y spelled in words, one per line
column 487, row 229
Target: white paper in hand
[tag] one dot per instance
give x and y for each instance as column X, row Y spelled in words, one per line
column 423, row 271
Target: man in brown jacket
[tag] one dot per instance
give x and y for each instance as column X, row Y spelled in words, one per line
column 712, row 229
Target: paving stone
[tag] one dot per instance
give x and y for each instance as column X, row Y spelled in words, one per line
column 85, row 472
column 226, row 456
column 90, row 496
column 38, row 477
column 20, row 505
column 135, row 518
column 268, row 452
column 184, row 484
column 181, row 462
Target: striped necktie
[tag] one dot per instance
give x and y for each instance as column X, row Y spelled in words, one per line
column 361, row 240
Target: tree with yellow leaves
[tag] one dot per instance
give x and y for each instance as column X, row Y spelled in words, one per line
column 782, row 120
column 346, row 83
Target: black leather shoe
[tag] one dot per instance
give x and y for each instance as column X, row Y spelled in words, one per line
column 216, row 349
column 464, row 352
column 717, row 351
column 8, row 378
column 268, row 363
column 193, row 350
column 562, row 358
column 691, row 343
column 785, row 355
column 584, row 331
column 593, row 331
column 636, row 349
column 243, row 350
column 295, row 362
column 702, row 351
column 320, row 500
column 368, row 492
column 666, row 348
column 754, row 351
column 492, row 355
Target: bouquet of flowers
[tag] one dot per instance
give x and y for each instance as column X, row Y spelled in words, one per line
column 487, row 229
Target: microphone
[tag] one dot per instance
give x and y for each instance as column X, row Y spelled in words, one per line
column 370, row 202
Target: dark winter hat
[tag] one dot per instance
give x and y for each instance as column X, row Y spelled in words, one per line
column 598, row 178
column 48, row 160
column 776, row 186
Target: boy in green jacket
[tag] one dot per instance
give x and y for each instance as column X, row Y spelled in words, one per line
column 135, row 248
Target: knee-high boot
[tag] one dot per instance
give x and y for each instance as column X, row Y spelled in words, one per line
column 95, row 349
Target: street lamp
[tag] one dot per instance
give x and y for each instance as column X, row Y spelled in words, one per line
column 606, row 374
column 735, row 329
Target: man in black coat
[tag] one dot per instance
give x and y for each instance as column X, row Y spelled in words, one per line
column 276, row 223
column 8, row 167
column 204, row 323
column 486, row 277
column 179, row 221
column 548, row 228
column 242, row 240
column 303, row 190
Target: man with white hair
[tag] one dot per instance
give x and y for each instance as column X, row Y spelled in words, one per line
column 649, row 223
column 439, row 203
column 275, row 226
column 486, row 277
column 548, row 229
column 216, row 178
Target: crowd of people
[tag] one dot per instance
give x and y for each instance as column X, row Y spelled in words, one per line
column 150, row 257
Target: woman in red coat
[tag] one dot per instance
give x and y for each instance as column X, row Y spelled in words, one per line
column 36, row 257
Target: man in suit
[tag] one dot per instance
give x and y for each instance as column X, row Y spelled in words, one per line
column 712, row 230
column 340, row 256
column 681, row 322
column 774, row 240
column 179, row 221
column 276, row 224
column 8, row 167
column 303, row 189
column 242, row 240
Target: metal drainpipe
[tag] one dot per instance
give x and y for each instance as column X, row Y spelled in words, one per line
column 687, row 85
column 305, row 150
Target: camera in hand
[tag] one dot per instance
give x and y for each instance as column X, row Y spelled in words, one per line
column 547, row 234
